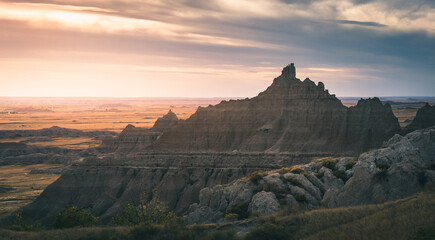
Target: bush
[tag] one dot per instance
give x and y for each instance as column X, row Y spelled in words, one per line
column 340, row 174
column 241, row 210
column 267, row 231
column 299, row 171
column 350, row 164
column 19, row 224
column 329, row 163
column 256, row 176
column 74, row 217
column 153, row 211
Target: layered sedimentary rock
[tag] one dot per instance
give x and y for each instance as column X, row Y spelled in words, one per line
column 424, row 118
column 400, row 169
column 290, row 116
column 102, row 185
column 137, row 138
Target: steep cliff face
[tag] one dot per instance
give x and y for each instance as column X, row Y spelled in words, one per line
column 425, row 117
column 369, row 124
column 290, row 116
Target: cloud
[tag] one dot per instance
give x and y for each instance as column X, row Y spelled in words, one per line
column 344, row 43
column 369, row 24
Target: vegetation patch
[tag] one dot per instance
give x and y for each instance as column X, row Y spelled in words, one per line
column 149, row 212
column 18, row 223
column 329, row 163
column 350, row 164
column 340, row 174
column 284, row 170
column 256, row 176
column 74, row 217
column 267, row 231
column 241, row 210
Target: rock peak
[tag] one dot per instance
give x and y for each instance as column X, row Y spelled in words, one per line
column 289, row 71
column 166, row 122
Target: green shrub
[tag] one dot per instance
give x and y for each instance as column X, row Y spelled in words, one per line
column 293, row 180
column 267, row 231
column 340, row 174
column 256, row 176
column 329, row 163
column 18, row 223
column 153, row 211
column 240, row 209
column 74, row 217
column 350, row 164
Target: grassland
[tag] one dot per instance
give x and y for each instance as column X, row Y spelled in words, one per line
column 409, row 218
column 23, row 187
column 61, row 142
column 90, row 114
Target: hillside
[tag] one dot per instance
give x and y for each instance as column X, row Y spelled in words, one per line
column 408, row 218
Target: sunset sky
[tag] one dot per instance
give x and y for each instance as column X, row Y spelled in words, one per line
column 215, row 48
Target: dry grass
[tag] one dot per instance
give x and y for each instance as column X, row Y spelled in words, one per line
column 399, row 219
column 26, row 187
column 67, row 234
column 61, row 142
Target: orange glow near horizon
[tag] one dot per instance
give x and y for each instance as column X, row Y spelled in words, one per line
column 194, row 49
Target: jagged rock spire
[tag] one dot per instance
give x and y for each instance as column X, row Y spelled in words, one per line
column 289, row 71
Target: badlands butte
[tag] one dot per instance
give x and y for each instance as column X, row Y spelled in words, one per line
column 293, row 144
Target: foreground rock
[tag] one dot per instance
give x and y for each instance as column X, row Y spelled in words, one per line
column 400, row 169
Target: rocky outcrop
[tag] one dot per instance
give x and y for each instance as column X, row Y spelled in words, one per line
column 399, row 169
column 166, row 122
column 102, row 185
column 133, row 139
column 290, row 116
column 424, row 118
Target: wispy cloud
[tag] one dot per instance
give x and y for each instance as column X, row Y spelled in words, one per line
column 351, row 45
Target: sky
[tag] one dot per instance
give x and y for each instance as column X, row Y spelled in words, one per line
column 214, row 48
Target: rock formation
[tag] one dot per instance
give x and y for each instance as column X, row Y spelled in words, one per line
column 398, row 170
column 290, row 116
column 136, row 138
column 424, row 118
column 102, row 185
